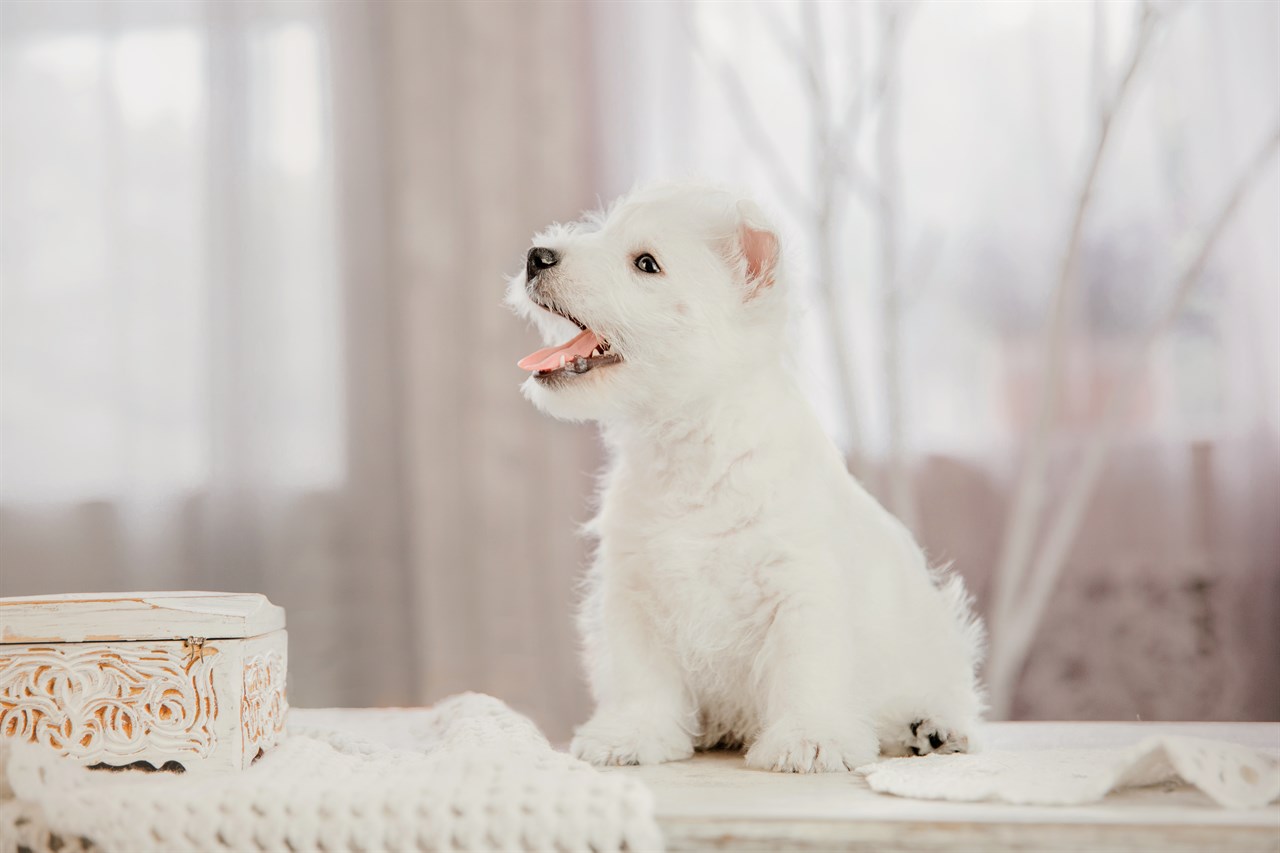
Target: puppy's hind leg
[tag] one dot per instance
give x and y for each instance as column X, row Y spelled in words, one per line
column 923, row 737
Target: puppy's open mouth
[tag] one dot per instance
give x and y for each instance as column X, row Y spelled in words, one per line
column 586, row 352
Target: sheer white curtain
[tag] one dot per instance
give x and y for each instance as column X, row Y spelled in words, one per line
column 926, row 162
column 174, row 396
column 253, row 256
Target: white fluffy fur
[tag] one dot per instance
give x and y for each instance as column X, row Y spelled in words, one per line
column 746, row 589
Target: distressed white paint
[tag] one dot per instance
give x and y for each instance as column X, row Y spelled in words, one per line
column 136, row 616
column 198, row 678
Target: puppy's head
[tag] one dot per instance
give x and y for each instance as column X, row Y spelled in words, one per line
column 669, row 294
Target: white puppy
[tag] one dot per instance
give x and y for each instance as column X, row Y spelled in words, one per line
column 746, row 590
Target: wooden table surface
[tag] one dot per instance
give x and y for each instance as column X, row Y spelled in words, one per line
column 713, row 802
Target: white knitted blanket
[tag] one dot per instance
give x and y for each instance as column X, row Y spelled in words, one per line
column 465, row 774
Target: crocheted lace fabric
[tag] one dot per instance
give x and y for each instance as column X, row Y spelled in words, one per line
column 1234, row 776
column 466, row 774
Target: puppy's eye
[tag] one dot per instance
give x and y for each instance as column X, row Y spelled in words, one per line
column 646, row 263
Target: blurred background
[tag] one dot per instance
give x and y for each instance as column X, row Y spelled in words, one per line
column 252, row 257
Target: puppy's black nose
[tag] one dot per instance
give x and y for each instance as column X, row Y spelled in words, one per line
column 539, row 259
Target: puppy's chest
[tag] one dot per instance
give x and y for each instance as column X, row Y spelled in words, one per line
column 698, row 565
column 710, row 603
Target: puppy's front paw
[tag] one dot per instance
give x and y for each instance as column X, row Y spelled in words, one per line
column 790, row 747
column 627, row 739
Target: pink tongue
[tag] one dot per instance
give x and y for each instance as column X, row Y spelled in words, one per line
column 550, row 358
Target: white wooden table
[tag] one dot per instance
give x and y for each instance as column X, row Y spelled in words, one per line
column 713, row 802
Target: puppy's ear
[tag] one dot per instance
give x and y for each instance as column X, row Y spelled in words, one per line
column 757, row 243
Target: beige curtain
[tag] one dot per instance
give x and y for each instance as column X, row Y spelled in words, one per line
column 487, row 141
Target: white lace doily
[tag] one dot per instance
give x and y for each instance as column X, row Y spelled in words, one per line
column 1232, row 775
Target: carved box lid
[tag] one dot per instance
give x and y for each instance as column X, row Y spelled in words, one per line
column 109, row 616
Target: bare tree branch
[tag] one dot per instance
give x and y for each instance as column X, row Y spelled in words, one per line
column 847, row 127
column 825, row 221
column 864, row 102
column 1070, row 515
column 754, row 129
column 792, row 45
column 1029, row 493
column 813, row 64
column 757, row 136
column 900, row 494
column 1098, row 56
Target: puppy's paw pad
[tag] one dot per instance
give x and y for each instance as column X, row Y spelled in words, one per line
column 609, row 743
column 926, row 737
column 789, row 750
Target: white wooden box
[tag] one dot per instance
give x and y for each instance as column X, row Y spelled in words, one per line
column 174, row 679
